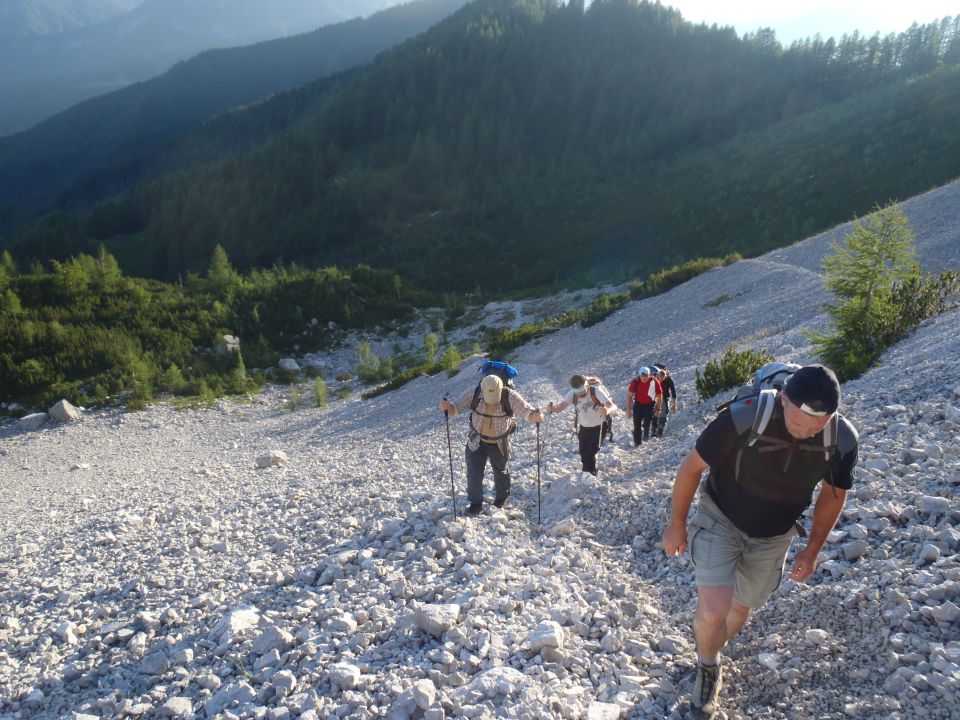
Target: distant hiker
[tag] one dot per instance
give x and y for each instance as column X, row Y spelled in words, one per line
column 669, row 404
column 766, row 455
column 493, row 405
column 591, row 404
column 644, row 397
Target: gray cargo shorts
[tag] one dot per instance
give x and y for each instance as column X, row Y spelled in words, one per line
column 724, row 556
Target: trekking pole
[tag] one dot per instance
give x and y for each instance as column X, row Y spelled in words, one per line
column 538, row 472
column 453, row 489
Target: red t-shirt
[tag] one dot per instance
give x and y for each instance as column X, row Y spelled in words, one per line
column 641, row 390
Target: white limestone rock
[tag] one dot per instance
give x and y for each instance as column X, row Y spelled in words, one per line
column 63, row 411
column 855, row 549
column 238, row 620
column 548, row 634
column 603, row 711
column 176, row 707
column 929, row 553
column 233, row 694
column 424, row 693
column 33, row 421
column 436, row 619
column 273, row 458
column 933, row 505
column 344, row 675
column 272, row 638
column 26, row 549
column 289, row 364
column 155, row 664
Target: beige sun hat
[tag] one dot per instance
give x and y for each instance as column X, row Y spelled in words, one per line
column 491, row 387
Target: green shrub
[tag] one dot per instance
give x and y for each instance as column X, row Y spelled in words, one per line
column 732, row 370
column 430, row 346
column 450, row 359
column 669, row 278
column 343, row 393
column 502, row 342
column 602, row 307
column 319, row 392
column 344, row 377
column 368, row 366
column 171, row 380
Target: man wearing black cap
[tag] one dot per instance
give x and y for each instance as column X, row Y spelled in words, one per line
column 766, row 454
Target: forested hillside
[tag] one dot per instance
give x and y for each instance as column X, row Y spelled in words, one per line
column 523, row 143
column 100, row 147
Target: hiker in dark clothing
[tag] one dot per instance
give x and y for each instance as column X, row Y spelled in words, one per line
column 491, row 425
column 669, row 403
column 766, row 454
column 643, row 404
column 591, row 404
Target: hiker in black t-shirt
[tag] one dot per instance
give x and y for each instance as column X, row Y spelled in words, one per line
column 669, row 403
column 758, row 486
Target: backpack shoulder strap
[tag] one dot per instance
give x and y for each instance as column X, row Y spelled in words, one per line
column 505, row 401
column 476, row 398
column 593, row 396
column 750, row 418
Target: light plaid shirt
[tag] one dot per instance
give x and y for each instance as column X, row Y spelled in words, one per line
column 499, row 422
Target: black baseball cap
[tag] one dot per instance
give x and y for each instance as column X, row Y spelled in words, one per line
column 814, row 389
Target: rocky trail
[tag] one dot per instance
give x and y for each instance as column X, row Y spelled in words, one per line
column 149, row 568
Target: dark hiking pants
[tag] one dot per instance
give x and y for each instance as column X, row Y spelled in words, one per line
column 477, row 462
column 662, row 420
column 589, row 438
column 642, row 416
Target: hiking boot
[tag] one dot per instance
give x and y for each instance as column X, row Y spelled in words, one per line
column 499, row 502
column 706, row 689
column 474, row 508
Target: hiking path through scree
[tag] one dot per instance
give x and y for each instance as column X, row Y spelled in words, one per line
column 149, row 569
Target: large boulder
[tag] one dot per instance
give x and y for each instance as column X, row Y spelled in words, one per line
column 63, row 411
column 32, row 422
column 289, row 364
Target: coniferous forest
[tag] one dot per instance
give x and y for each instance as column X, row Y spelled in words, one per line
column 529, row 144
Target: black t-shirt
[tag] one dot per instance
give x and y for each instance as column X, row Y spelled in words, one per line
column 668, row 388
column 773, row 487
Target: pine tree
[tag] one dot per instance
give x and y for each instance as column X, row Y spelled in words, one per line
column 864, row 275
column 220, row 273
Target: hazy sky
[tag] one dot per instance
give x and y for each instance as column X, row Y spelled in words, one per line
column 805, row 18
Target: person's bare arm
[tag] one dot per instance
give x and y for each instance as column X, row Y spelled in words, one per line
column 826, row 511
column 684, row 489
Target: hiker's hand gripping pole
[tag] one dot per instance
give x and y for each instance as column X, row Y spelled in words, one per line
column 453, row 489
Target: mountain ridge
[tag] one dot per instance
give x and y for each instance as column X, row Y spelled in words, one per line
column 41, row 76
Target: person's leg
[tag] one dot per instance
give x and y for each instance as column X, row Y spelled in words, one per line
column 476, row 462
column 662, row 420
column 589, row 438
column 716, row 547
column 637, row 427
column 736, row 618
column 501, row 474
column 647, row 417
column 710, row 621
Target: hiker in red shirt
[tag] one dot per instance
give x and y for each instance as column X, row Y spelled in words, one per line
column 644, row 397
